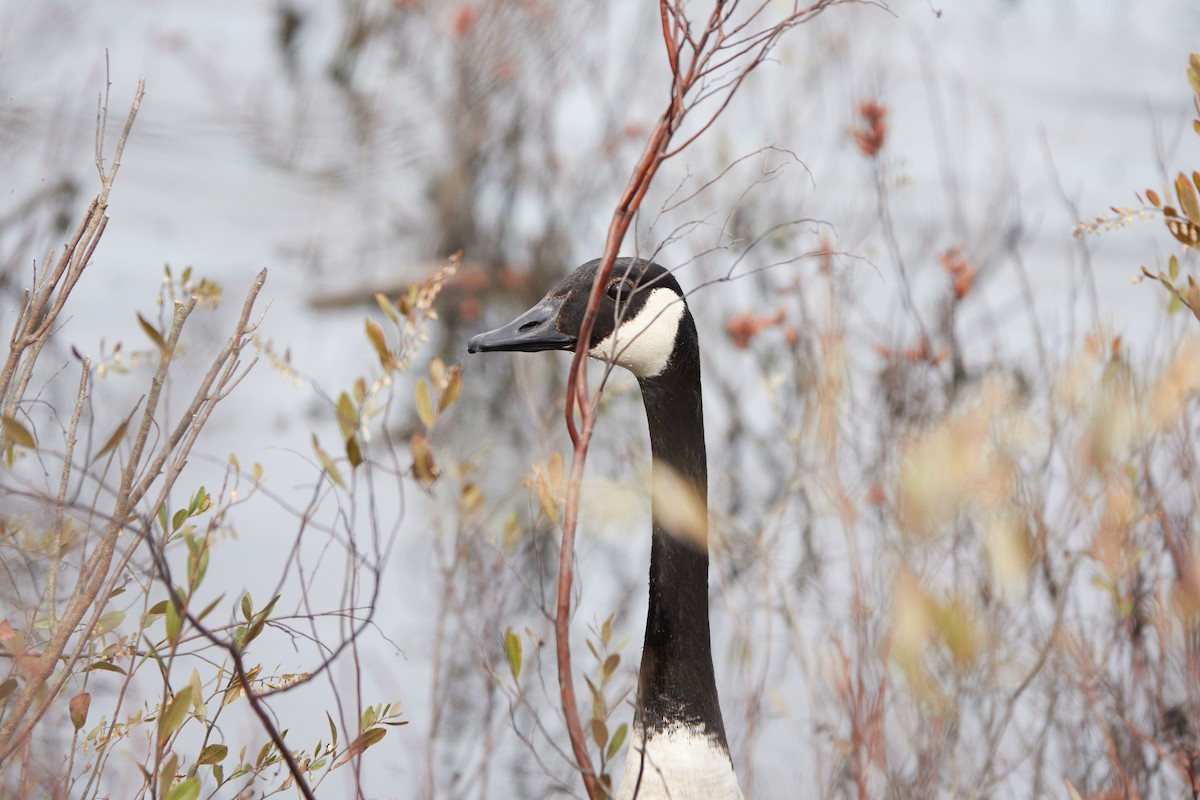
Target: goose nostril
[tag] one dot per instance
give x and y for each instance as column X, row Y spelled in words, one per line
column 528, row 326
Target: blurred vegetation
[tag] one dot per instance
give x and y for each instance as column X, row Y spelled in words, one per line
column 940, row 570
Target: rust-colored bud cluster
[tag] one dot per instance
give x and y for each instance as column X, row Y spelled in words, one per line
column 871, row 137
column 961, row 271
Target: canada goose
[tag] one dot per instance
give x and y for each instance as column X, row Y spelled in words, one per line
column 644, row 325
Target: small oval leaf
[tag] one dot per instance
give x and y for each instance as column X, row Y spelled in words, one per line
column 512, row 649
column 618, row 739
column 78, row 707
column 213, row 754
column 17, row 433
column 153, row 334
column 424, row 403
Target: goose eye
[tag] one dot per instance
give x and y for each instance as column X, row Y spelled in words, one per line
column 620, row 290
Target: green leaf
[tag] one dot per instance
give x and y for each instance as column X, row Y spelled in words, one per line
column 208, row 608
column 347, row 416
column 174, row 715
column 213, row 754
column 197, row 564
column 251, row 633
column 332, row 732
column 105, row 666
column 17, row 433
column 512, row 648
column 178, row 519
column 614, row 744
column 200, row 502
column 368, row 718
column 166, row 774
column 188, row 789
column 174, row 622
column 247, row 607
column 153, row 333
column 1173, row 268
column 107, row 623
column 266, row 612
column 424, row 403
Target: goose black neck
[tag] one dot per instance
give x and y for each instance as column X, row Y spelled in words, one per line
column 676, row 682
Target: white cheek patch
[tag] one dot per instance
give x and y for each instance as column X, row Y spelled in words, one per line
column 644, row 343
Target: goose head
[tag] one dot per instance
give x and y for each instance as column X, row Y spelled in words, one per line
column 642, row 314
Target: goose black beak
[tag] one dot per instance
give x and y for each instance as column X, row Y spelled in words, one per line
column 532, row 331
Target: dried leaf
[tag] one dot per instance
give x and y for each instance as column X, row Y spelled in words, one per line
column 1187, row 198
column 17, row 433
column 1184, row 230
column 6, row 687
column 360, row 744
column 330, row 468
column 453, row 387
column 424, row 467
column 78, row 707
column 153, row 334
column 424, row 403
column 599, row 733
column 471, row 500
column 610, row 666
column 678, row 507
column 378, row 340
column 1153, row 197
column 387, row 308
